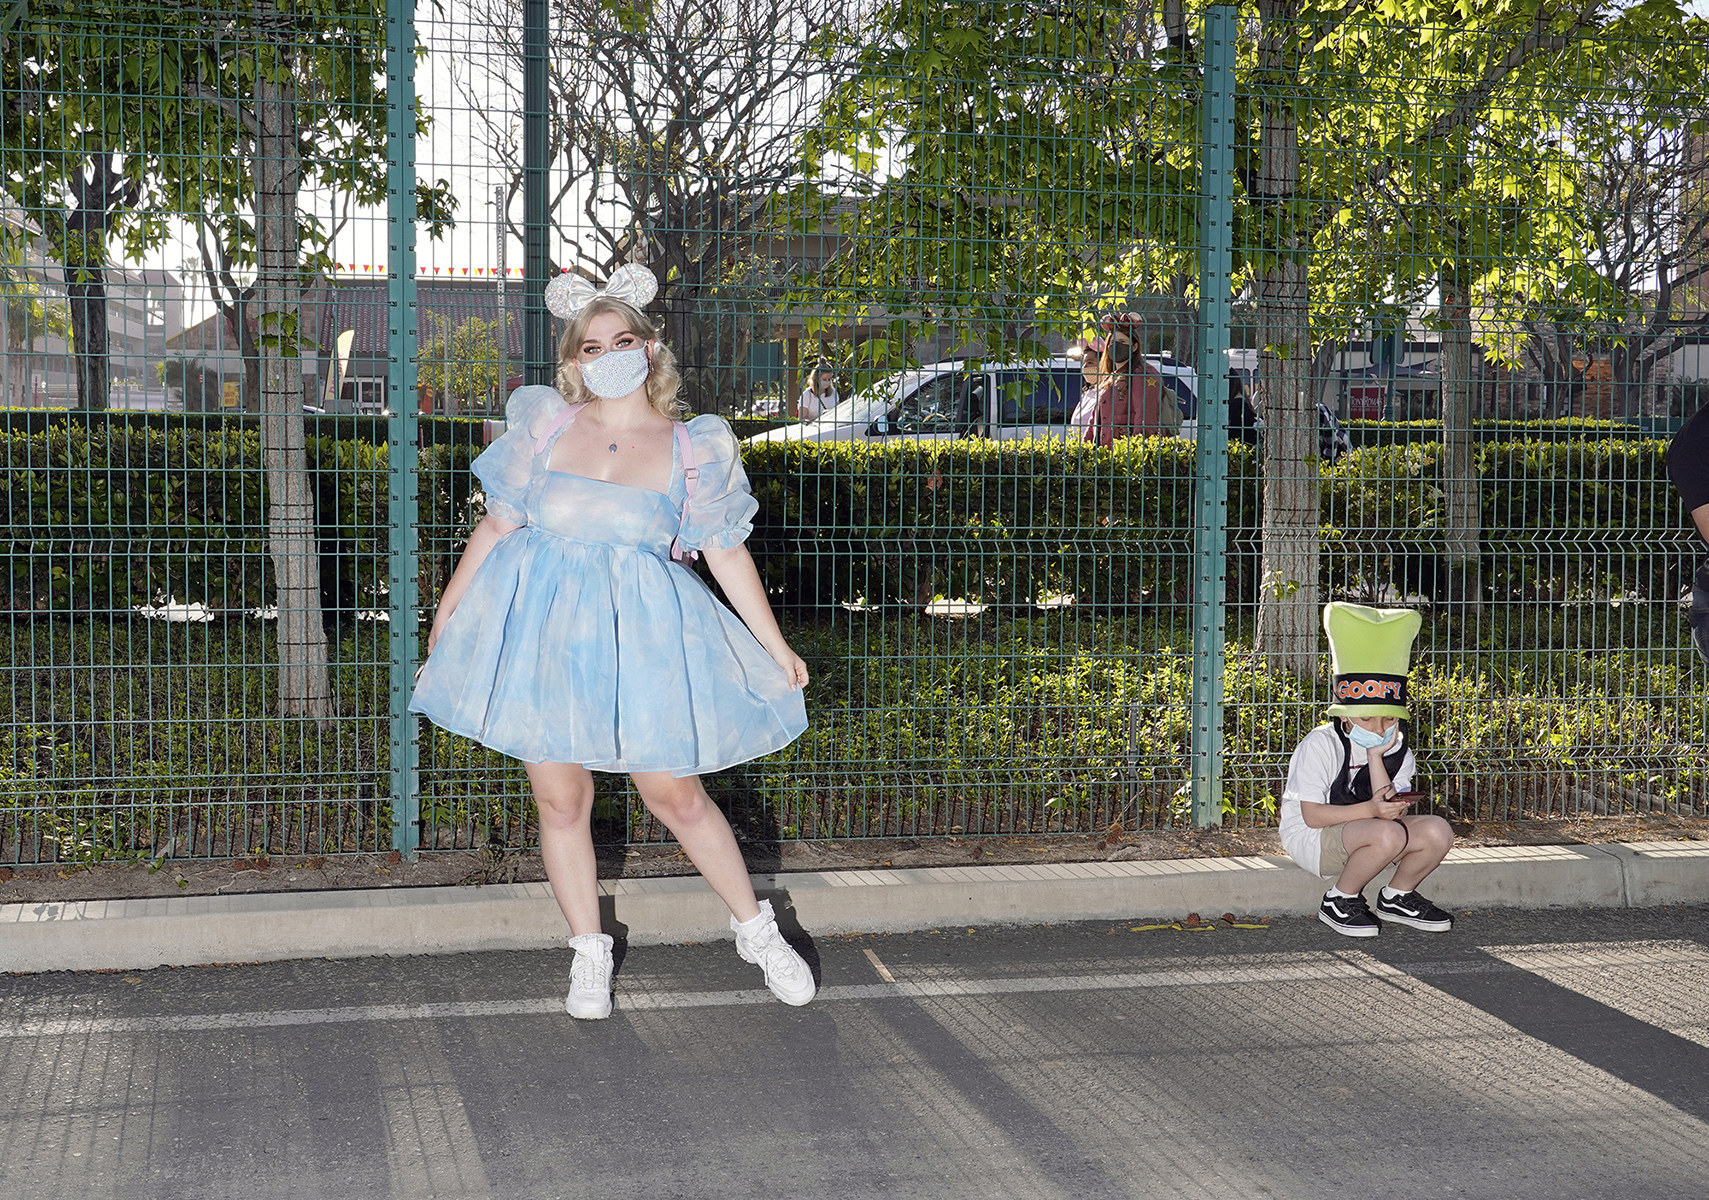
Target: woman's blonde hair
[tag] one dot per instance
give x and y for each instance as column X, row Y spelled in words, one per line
column 663, row 382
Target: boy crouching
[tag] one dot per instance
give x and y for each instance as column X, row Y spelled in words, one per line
column 1346, row 810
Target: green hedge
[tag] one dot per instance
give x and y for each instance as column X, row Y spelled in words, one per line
column 1002, row 522
column 434, row 431
column 1392, row 433
column 129, row 514
column 1044, row 724
column 747, row 427
column 115, row 514
column 1560, row 519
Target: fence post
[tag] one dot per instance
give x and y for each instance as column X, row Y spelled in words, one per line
column 537, row 355
column 403, row 423
column 1210, row 494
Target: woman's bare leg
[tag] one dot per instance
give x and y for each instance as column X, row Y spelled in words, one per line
column 688, row 812
column 564, row 794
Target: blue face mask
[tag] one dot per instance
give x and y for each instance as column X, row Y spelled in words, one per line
column 1368, row 739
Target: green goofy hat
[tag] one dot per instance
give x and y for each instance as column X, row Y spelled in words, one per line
column 1369, row 652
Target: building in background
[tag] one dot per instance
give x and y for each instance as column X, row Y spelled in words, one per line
column 145, row 311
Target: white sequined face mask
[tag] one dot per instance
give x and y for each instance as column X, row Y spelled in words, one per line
column 616, row 373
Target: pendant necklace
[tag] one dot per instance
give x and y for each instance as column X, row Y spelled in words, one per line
column 612, row 448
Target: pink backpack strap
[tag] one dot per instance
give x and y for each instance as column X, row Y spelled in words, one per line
column 558, row 422
column 690, row 477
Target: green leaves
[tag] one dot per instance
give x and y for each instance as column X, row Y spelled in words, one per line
column 1002, row 146
column 168, row 90
column 468, row 362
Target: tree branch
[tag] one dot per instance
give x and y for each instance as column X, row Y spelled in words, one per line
column 244, row 119
column 1473, row 101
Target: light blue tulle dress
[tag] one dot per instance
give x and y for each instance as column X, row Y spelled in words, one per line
column 579, row 640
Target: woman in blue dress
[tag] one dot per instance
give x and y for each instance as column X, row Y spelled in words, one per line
column 568, row 637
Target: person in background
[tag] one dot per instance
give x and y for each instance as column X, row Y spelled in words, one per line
column 819, row 396
column 1243, row 422
column 1091, row 355
column 1090, row 352
column 1130, row 398
column 1688, row 467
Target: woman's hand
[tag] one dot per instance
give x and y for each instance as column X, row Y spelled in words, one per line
column 735, row 572
column 792, row 666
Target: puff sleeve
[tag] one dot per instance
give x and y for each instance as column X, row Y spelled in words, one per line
column 720, row 514
column 506, row 467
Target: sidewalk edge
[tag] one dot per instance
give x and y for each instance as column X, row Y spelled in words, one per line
column 199, row 930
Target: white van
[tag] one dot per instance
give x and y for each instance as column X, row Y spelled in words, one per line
column 1001, row 401
column 951, row 399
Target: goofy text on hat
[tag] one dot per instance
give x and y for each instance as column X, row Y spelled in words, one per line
column 1369, row 652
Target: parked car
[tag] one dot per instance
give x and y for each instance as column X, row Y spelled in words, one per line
column 1003, row 401
column 948, row 400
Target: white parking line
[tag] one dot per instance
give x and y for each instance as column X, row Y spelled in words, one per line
column 1304, row 968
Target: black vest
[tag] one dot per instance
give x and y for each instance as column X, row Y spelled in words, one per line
column 1358, row 790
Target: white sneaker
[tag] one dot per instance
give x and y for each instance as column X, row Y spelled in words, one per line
column 590, row 978
column 786, row 974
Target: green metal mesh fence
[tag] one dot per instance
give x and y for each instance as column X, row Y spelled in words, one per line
column 1415, row 306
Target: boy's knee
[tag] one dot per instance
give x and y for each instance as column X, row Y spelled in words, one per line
column 1386, row 837
column 1433, row 831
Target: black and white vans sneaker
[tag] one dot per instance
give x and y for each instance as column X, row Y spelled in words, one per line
column 1409, row 908
column 1348, row 915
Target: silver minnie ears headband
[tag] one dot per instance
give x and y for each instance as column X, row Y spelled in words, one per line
column 631, row 283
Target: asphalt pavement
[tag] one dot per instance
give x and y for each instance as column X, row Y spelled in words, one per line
column 1528, row 1053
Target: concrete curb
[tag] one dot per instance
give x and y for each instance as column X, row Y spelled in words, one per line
column 195, row 930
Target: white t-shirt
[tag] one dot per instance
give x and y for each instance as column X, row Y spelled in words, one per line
column 813, row 404
column 1311, row 772
column 1085, row 409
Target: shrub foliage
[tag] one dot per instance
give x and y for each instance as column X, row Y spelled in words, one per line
column 1571, row 686
column 119, row 515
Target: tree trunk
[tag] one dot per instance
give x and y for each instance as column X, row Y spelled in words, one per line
column 1633, row 377
column 1185, row 315
column 237, row 323
column 17, row 379
column 86, row 293
column 304, row 684
column 685, row 333
column 1175, row 25
column 1462, row 502
column 96, row 194
column 1288, row 604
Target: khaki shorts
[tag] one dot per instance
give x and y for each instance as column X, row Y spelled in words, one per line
column 1333, row 854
